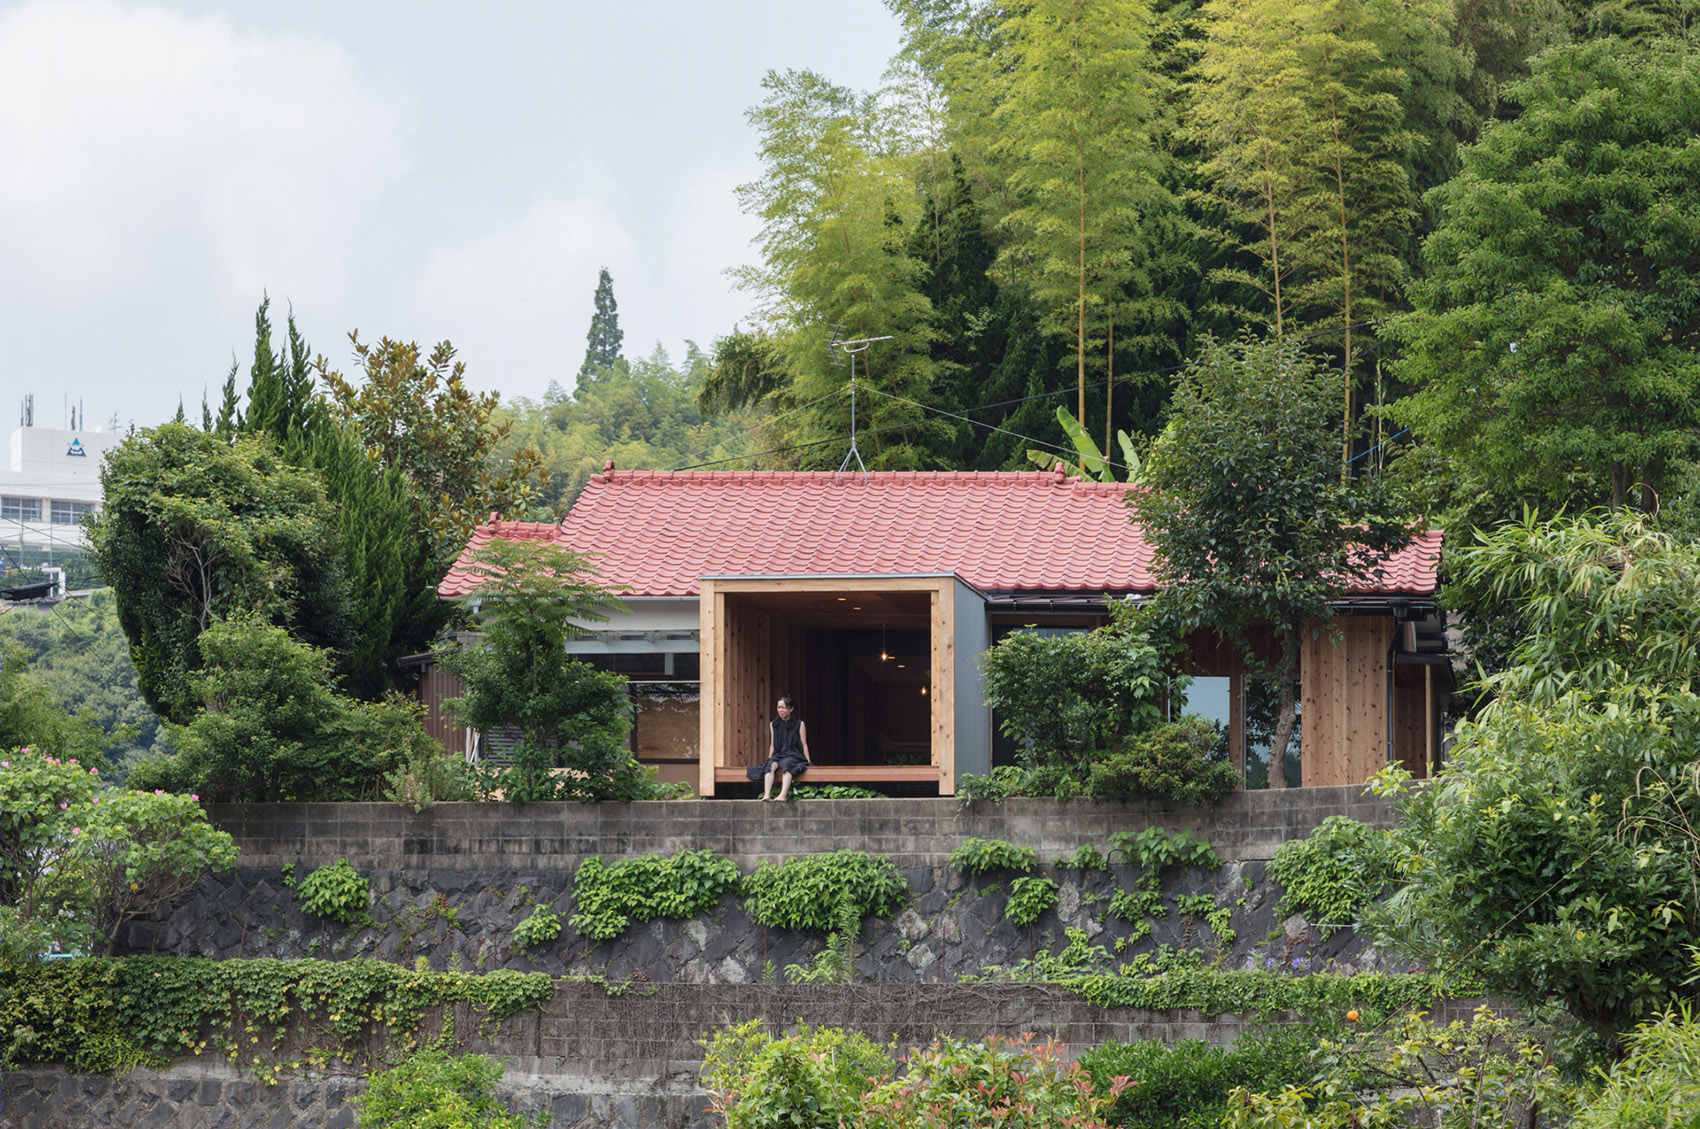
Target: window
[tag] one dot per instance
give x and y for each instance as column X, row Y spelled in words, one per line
column 20, row 509
column 67, row 513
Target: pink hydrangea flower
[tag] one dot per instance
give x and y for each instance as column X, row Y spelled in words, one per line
column 63, row 804
column 76, row 830
column 73, row 760
column 5, row 764
column 194, row 797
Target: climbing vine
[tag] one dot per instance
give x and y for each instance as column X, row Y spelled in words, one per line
column 108, row 1015
column 805, row 893
column 610, row 897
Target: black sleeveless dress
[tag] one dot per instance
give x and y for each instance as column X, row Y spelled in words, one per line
column 788, row 746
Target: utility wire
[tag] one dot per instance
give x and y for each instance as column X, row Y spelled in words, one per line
column 981, row 423
column 771, row 420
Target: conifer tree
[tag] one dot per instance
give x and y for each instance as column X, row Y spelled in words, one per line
column 602, row 343
column 229, row 422
column 280, row 385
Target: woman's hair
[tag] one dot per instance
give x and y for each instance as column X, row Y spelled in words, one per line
column 786, row 698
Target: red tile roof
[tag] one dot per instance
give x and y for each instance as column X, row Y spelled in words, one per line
column 660, row 532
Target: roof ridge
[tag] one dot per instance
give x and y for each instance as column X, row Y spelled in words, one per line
column 878, row 477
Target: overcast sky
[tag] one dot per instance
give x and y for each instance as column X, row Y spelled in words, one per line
column 421, row 170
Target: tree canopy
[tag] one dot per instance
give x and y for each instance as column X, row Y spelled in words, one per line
column 1555, row 345
column 1242, row 501
column 195, row 529
column 519, row 678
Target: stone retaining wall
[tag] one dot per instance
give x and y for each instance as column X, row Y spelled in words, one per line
column 628, row 1061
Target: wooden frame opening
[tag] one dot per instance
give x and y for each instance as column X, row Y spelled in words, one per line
column 870, row 719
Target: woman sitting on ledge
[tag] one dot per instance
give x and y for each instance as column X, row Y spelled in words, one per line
column 787, row 750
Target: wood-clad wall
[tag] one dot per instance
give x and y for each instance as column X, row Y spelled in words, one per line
column 437, row 686
column 1344, row 681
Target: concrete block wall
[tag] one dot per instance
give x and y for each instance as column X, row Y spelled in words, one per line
column 916, row 832
column 620, row 1062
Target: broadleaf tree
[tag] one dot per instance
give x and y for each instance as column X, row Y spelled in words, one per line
column 196, row 529
column 1556, row 334
column 415, row 415
column 1243, row 504
column 569, row 719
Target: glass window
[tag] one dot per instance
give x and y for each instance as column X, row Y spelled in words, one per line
column 67, row 513
column 20, row 509
column 1262, row 703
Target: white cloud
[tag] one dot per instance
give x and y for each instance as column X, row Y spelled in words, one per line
column 161, row 170
column 516, row 301
column 257, row 155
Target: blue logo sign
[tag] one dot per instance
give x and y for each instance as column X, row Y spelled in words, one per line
column 76, row 448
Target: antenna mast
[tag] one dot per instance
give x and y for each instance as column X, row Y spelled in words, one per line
column 850, row 349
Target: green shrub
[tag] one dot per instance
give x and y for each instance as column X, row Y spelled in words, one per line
column 1483, row 1073
column 543, row 926
column 1185, row 761
column 982, row 856
column 137, row 850
column 815, row 1076
column 80, row 860
column 430, row 775
column 997, row 1082
column 1185, row 1085
column 1029, row 898
column 1657, row 1083
column 1332, row 874
column 1003, row 782
column 804, row 893
column 275, row 727
column 436, row 1090
column 608, row 898
column 1066, row 697
column 336, row 890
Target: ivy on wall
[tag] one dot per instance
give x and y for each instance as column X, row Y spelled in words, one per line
column 110, row 1015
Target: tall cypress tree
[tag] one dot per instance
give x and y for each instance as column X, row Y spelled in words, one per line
column 602, row 343
column 280, row 385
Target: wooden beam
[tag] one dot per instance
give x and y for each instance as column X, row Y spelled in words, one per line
column 849, row 774
column 828, row 583
column 942, row 691
column 710, row 607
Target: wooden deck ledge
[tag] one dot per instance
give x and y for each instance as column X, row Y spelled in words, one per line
column 847, row 774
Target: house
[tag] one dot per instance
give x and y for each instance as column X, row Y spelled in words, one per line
column 869, row 597
column 51, row 479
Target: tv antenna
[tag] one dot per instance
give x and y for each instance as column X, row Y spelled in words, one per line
column 851, row 349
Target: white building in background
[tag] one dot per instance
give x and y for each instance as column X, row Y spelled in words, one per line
column 51, row 478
